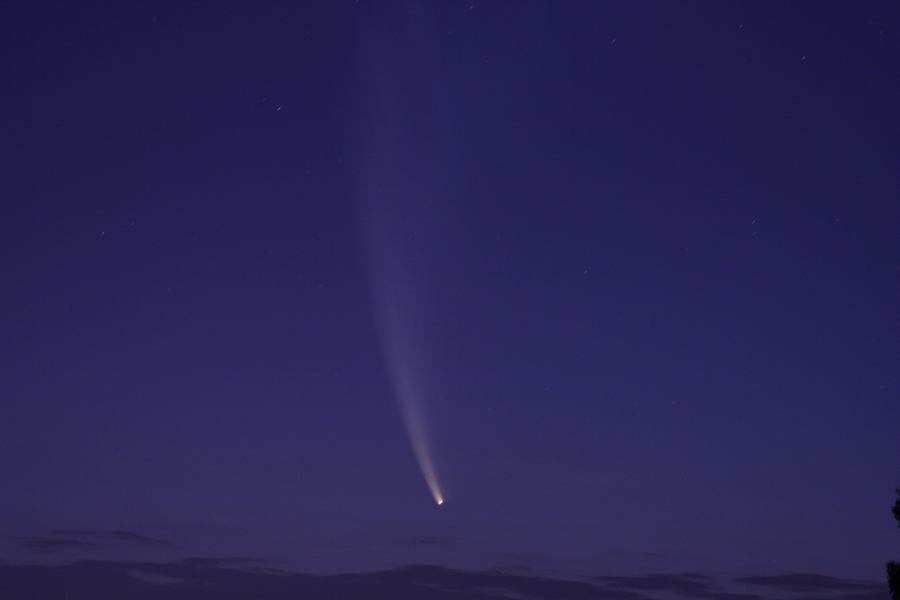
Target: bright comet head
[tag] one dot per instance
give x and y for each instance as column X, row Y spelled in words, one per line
column 440, row 501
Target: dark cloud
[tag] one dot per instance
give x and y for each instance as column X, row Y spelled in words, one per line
column 238, row 563
column 156, row 579
column 694, row 576
column 69, row 541
column 806, row 582
column 691, row 585
column 227, row 561
column 673, row 583
column 471, row 582
column 111, row 536
column 232, row 578
column 195, row 580
column 879, row 592
column 516, row 569
column 52, row 545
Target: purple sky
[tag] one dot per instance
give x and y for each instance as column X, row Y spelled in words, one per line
column 637, row 261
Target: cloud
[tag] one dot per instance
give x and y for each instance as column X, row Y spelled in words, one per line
column 217, row 562
column 102, row 580
column 690, row 585
column 155, row 579
column 236, row 563
column 224, row 578
column 491, row 583
column 52, row 545
column 516, row 569
column 877, row 593
column 68, row 541
column 806, row 582
column 111, row 536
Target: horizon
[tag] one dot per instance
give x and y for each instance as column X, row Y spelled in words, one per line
column 241, row 576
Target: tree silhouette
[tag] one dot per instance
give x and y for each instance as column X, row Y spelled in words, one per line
column 896, row 509
column 893, row 568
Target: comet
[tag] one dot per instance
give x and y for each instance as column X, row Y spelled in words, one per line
column 402, row 286
column 404, row 187
column 406, row 366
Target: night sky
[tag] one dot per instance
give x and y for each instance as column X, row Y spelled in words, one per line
column 618, row 279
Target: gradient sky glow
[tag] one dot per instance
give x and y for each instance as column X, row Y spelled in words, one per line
column 628, row 270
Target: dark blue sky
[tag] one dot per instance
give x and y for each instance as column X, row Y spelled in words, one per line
column 638, row 261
